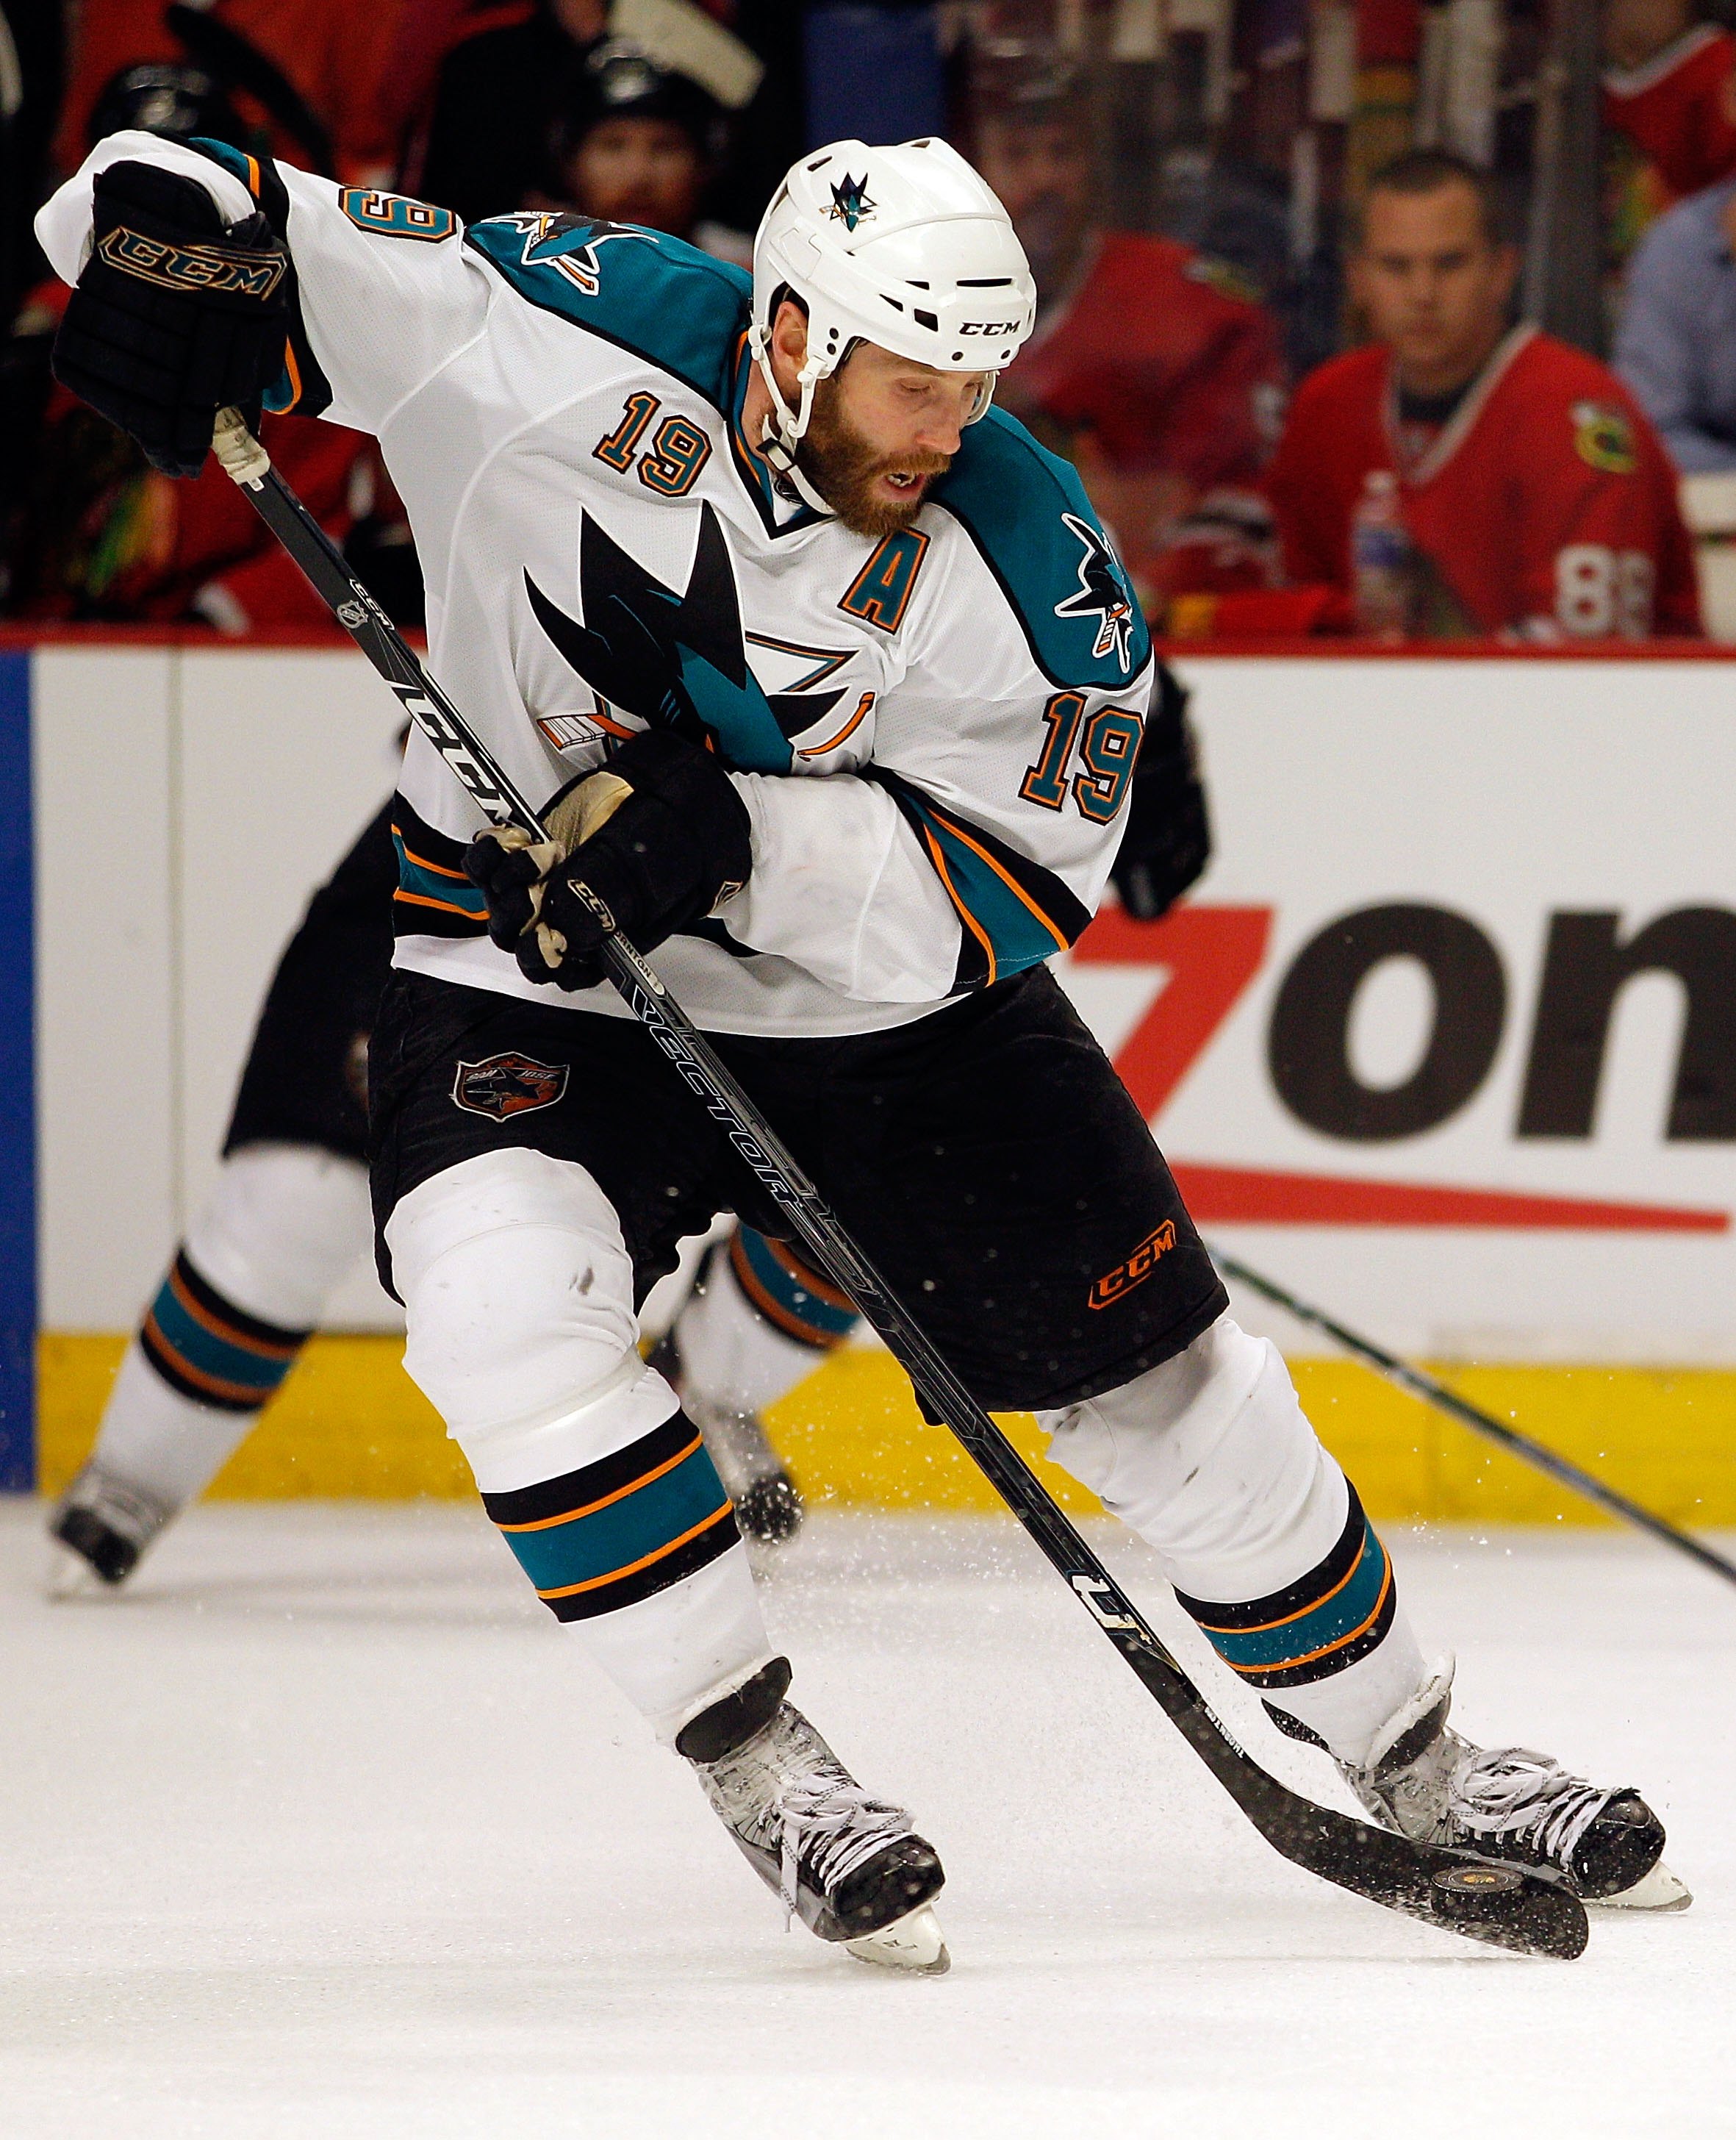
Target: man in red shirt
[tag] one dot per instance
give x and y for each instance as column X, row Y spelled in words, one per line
column 1537, row 502
column 1156, row 370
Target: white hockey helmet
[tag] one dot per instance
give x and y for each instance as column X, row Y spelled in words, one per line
column 904, row 247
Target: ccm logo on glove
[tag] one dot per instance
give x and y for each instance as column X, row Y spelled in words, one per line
column 189, row 267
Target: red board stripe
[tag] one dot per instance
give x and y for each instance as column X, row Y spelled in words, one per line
column 1229, row 1195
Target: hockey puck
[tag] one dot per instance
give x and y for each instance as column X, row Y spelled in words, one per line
column 1476, row 1880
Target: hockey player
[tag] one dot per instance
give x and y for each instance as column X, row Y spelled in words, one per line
column 1537, row 501
column 289, row 1215
column 832, row 689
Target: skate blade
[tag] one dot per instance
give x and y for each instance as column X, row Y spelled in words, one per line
column 70, row 1575
column 1659, row 1890
column 911, row 1942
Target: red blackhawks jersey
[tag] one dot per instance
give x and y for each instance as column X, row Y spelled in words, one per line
column 1672, row 109
column 1164, row 357
column 1544, row 509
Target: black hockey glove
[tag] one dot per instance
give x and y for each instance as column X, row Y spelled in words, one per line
column 1167, row 841
column 175, row 316
column 648, row 846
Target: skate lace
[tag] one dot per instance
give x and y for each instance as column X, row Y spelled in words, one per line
column 1520, row 1796
column 832, row 1823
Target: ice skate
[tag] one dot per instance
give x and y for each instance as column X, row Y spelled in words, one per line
column 1423, row 1780
column 100, row 1528
column 767, row 1506
column 849, row 1865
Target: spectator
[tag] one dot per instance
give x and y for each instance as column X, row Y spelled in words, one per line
column 1676, row 344
column 1665, row 89
column 303, row 73
column 1153, row 368
column 637, row 143
column 1530, row 494
column 483, row 147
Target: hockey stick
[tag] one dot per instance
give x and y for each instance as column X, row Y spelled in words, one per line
column 1531, row 1911
column 1449, row 1401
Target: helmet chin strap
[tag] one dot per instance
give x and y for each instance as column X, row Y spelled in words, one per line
column 783, row 430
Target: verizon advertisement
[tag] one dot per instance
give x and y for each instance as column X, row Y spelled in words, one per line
column 1446, row 1040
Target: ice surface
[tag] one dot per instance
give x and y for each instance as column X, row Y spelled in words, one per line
column 325, row 1829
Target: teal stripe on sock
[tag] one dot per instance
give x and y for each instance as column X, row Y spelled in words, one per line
column 644, row 1520
column 1258, row 1651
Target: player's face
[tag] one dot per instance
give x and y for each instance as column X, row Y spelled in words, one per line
column 882, row 429
column 1041, row 171
column 1434, row 289
column 638, row 170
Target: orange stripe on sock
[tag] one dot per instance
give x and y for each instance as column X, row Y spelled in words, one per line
column 263, row 1346
column 245, row 1391
column 620, row 1493
column 663, row 1552
column 1289, row 1664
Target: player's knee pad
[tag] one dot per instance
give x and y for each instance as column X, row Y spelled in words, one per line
column 283, row 1226
column 517, row 1291
column 1207, row 1456
column 756, row 1323
column 1210, row 1458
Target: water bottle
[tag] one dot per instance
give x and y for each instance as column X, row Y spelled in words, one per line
column 1380, row 560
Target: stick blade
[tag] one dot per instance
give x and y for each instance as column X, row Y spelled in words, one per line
column 1524, row 1909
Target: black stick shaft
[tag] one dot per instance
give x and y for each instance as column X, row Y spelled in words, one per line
column 1431, row 1391
column 1530, row 1912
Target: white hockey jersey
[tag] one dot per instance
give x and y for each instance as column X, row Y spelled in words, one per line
column 934, row 733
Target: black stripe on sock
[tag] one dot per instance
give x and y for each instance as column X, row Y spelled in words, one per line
column 592, row 1482
column 227, row 1313
column 1335, row 1661
column 699, row 1552
column 1307, row 1590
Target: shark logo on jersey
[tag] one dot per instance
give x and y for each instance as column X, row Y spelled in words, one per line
column 1102, row 594
column 568, row 244
column 676, row 661
column 850, row 202
column 509, row 1084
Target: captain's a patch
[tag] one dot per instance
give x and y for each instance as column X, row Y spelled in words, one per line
column 509, row 1084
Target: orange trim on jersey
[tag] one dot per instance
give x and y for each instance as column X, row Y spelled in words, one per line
column 435, row 869
column 1011, row 882
column 254, row 180
column 844, row 734
column 294, row 369
column 218, row 1328
column 965, row 915
column 620, row 1493
column 633, row 1567
column 439, row 906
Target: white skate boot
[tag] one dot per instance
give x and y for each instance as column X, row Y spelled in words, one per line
column 851, row 1867
column 100, row 1526
column 1422, row 1779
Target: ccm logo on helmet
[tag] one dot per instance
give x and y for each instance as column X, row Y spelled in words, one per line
column 990, row 326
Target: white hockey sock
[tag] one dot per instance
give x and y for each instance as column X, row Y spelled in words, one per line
column 755, row 1326
column 518, row 1296
column 283, row 1225
column 1210, row 1458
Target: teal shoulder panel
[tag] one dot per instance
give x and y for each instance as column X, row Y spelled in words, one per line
column 666, row 301
column 1027, row 513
